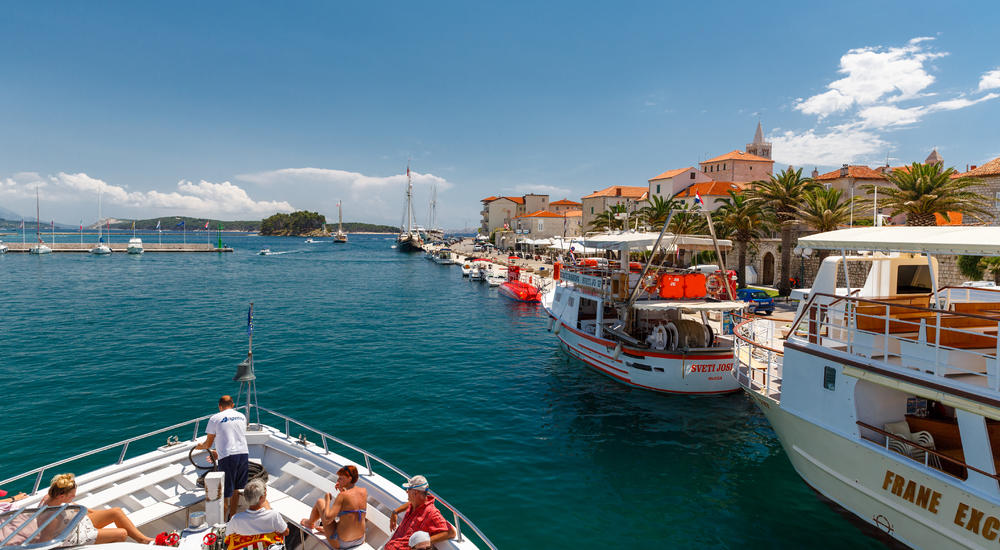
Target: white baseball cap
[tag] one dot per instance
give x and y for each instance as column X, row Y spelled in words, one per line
column 418, row 537
column 417, row 482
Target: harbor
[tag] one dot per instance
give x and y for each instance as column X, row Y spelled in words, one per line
column 16, row 247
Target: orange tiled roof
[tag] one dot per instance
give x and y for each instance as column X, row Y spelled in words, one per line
column 856, row 172
column 626, row 191
column 573, row 213
column 991, row 168
column 564, row 202
column 738, row 155
column 541, row 214
column 489, row 199
column 710, row 188
column 518, row 200
column 671, row 173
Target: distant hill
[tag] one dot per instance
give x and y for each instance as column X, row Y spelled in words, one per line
column 170, row 223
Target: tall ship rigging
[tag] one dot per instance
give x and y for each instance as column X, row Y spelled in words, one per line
column 340, row 237
column 409, row 239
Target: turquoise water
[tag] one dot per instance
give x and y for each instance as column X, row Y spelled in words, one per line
column 403, row 357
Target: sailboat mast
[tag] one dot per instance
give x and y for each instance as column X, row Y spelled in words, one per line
column 38, row 218
column 409, row 200
column 340, row 217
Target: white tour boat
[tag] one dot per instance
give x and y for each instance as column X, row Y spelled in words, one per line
column 161, row 490
column 886, row 397
column 134, row 246
column 466, row 268
column 647, row 328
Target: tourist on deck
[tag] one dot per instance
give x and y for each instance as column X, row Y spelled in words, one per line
column 421, row 515
column 259, row 526
column 93, row 529
column 6, row 503
column 343, row 516
column 420, row 541
column 227, row 430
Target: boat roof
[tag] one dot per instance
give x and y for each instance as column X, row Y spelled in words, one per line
column 963, row 240
column 690, row 306
column 634, row 239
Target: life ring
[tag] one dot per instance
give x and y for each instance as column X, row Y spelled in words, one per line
column 650, row 283
column 715, row 285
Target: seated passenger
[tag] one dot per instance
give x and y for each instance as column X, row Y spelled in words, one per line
column 258, row 524
column 343, row 517
column 94, row 528
column 421, row 515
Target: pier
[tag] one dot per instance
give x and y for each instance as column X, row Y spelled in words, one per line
column 120, row 247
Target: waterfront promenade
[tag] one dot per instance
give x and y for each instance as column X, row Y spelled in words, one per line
column 120, row 247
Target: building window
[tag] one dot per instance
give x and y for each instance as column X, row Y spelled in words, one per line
column 541, row 225
column 723, row 166
column 591, row 209
column 657, row 188
column 692, row 175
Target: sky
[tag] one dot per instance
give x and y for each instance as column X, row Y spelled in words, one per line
column 238, row 110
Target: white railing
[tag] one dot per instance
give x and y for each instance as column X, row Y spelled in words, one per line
column 759, row 354
column 931, row 340
column 288, row 422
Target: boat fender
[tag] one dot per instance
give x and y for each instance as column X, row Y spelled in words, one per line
column 618, row 351
column 558, row 327
column 552, row 323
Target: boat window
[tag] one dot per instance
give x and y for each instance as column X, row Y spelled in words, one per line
column 829, row 378
column 913, row 279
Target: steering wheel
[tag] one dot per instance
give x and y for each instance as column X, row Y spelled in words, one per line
column 211, row 466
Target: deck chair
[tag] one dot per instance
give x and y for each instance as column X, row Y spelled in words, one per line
column 927, row 440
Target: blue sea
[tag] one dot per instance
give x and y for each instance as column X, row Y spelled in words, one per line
column 405, row 358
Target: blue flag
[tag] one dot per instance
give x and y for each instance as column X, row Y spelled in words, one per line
column 250, row 320
column 181, row 224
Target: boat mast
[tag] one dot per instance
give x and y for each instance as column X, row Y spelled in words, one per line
column 409, row 201
column 38, row 218
column 340, row 217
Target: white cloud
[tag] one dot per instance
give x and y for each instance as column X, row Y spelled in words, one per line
column 202, row 198
column 873, row 74
column 990, row 80
column 349, row 180
column 882, row 89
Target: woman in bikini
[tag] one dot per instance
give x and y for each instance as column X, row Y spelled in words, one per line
column 344, row 515
column 94, row 528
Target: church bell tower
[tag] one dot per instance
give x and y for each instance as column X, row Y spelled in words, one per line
column 759, row 147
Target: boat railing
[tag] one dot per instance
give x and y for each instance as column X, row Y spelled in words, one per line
column 898, row 334
column 32, row 528
column 759, row 353
column 460, row 520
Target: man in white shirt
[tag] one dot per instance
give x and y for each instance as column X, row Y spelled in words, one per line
column 258, row 527
column 227, row 430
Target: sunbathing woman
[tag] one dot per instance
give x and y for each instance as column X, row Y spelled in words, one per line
column 344, row 515
column 94, row 528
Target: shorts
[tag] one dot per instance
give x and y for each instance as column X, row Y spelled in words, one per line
column 84, row 534
column 236, row 468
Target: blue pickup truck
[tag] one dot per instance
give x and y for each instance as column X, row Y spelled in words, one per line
column 760, row 302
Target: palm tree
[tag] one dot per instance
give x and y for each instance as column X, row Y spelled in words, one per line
column 606, row 221
column 823, row 209
column 922, row 190
column 687, row 220
column 780, row 195
column 656, row 213
column 744, row 221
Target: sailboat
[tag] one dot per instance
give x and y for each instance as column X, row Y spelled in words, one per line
column 100, row 248
column 340, row 237
column 434, row 233
column 409, row 238
column 39, row 248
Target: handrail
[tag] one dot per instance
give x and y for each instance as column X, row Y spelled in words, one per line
column 41, row 470
column 923, row 448
column 53, row 513
column 754, row 342
column 460, row 518
column 916, row 308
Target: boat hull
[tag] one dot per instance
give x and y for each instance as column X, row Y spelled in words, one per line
column 701, row 372
column 408, row 245
column 522, row 292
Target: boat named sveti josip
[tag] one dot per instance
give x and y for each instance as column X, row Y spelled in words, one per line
column 643, row 326
column 886, row 397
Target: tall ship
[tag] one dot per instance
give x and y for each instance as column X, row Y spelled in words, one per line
column 40, row 247
column 885, row 392
column 655, row 328
column 340, row 236
column 409, row 239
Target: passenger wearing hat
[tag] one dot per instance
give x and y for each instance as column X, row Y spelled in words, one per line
column 8, row 502
column 420, row 515
column 420, row 541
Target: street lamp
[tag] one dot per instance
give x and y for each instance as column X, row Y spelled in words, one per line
column 803, row 253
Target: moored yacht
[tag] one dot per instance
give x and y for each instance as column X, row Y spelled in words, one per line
column 885, row 393
column 340, row 236
column 409, row 239
column 657, row 329
column 3, row 248
column 134, row 246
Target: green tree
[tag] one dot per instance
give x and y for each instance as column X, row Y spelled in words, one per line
column 922, row 190
column 657, row 210
column 971, row 267
column 606, row 221
column 781, row 195
column 688, row 220
column 744, row 221
column 824, row 209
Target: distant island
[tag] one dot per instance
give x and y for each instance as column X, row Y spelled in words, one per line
column 309, row 224
column 312, row 224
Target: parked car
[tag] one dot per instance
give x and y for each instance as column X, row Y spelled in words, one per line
column 477, row 248
column 758, row 299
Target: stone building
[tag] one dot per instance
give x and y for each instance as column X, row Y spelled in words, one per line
column 989, row 186
column 543, row 224
column 711, row 193
column 758, row 146
column 563, row 206
column 672, row 182
column 499, row 212
column 600, row 201
column 738, row 166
